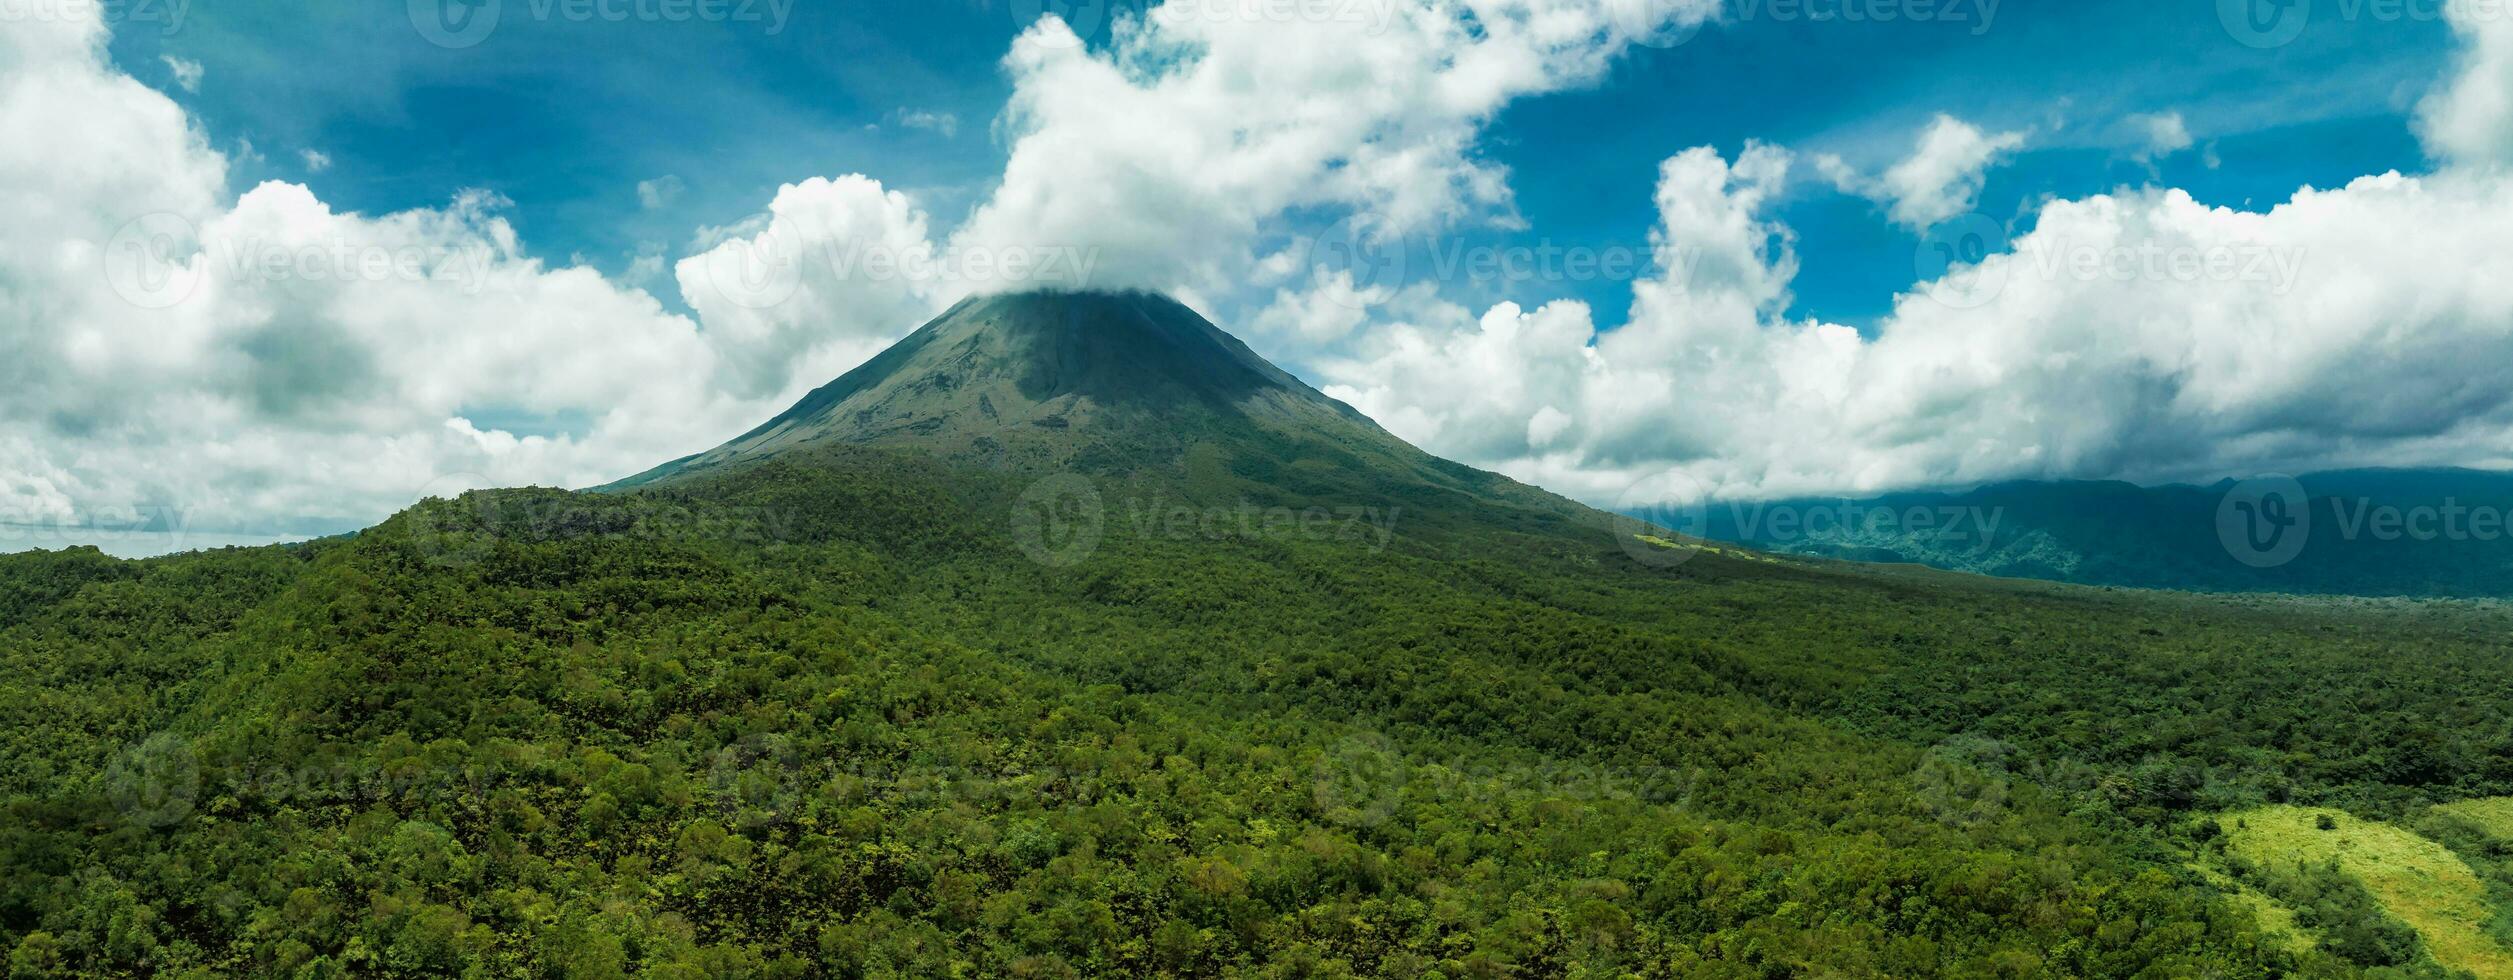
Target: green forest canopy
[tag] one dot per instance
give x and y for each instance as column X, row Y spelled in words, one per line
column 826, row 716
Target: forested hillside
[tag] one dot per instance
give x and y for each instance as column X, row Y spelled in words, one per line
column 834, row 715
column 2419, row 533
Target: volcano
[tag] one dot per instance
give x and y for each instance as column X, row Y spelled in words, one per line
column 1108, row 384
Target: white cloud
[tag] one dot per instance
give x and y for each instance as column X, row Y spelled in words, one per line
column 316, row 161
column 944, row 123
column 1941, row 179
column 2136, row 335
column 1486, row 392
column 1840, row 174
column 2158, row 135
column 831, row 273
column 187, row 74
column 2469, row 119
column 645, row 268
column 659, row 192
column 1328, row 312
column 265, row 362
column 1202, row 123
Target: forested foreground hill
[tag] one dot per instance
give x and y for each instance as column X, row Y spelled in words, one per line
column 863, row 712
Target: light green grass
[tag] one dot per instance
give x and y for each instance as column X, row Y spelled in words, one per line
column 2493, row 815
column 2418, row 881
column 1704, row 547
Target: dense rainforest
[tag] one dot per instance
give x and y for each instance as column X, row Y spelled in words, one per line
column 832, row 715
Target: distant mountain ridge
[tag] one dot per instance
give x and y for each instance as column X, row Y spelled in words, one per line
column 2427, row 533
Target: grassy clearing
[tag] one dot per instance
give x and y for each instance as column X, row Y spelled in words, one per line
column 1704, row 547
column 2417, row 880
column 2493, row 815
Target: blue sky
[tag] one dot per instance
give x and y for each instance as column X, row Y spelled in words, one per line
column 642, row 222
column 565, row 117
column 2073, row 70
